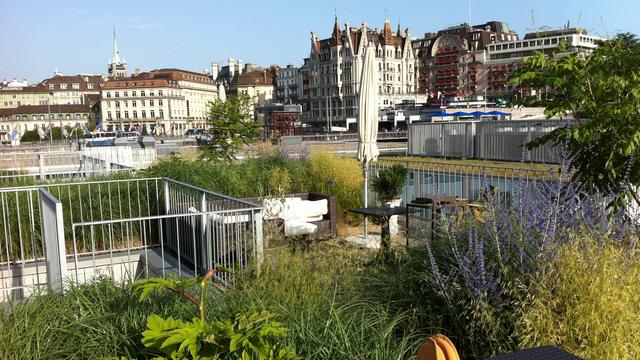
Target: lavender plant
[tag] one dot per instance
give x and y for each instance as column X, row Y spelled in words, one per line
column 481, row 265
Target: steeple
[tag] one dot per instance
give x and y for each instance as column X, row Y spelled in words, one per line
column 117, row 66
column 116, row 53
column 399, row 33
column 388, row 33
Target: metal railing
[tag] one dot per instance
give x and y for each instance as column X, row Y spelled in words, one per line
column 353, row 136
column 485, row 140
column 122, row 229
column 426, row 178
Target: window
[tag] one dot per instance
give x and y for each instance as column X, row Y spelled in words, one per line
column 144, row 114
column 135, row 114
column 126, row 103
column 152, row 114
column 117, row 114
column 126, row 114
column 161, row 114
column 63, row 86
column 159, row 92
column 90, row 86
column 142, row 101
column 117, row 94
column 117, row 104
column 133, row 93
column 52, row 86
column 133, row 103
column 125, row 94
column 142, row 93
column 75, row 86
column 34, row 117
column 108, row 94
column 151, row 93
column 159, row 102
column 150, row 102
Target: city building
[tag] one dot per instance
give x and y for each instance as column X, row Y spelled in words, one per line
column 228, row 74
column 15, row 83
column 11, row 97
column 168, row 101
column 335, row 66
column 289, row 85
column 279, row 120
column 450, row 61
column 258, row 85
column 117, row 67
column 504, row 58
column 74, row 89
column 29, row 117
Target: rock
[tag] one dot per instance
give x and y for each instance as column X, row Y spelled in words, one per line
column 371, row 242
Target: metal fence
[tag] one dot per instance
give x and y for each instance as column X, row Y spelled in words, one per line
column 54, row 234
column 390, row 135
column 469, row 181
column 486, row 140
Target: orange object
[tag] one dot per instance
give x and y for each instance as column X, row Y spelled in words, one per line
column 438, row 347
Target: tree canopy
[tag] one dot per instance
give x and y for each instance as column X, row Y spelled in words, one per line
column 602, row 92
column 230, row 126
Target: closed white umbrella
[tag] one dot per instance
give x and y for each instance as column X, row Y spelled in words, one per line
column 222, row 95
column 368, row 120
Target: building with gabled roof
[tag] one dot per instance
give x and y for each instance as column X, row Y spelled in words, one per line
column 335, row 66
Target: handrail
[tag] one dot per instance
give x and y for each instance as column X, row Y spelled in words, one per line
column 212, row 193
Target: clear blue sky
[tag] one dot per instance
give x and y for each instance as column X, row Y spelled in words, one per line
column 37, row 37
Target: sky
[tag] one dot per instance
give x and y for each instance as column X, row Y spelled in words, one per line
column 38, row 37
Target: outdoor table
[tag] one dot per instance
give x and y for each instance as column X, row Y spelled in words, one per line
column 436, row 203
column 382, row 213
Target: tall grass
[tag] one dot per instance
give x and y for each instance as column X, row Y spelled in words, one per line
column 271, row 176
column 314, row 294
column 586, row 301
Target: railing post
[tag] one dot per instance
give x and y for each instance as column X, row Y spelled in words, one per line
column 206, row 257
column 167, row 203
column 257, row 219
column 53, row 236
column 41, row 166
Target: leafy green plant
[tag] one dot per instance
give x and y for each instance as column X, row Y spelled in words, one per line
column 602, row 92
column 231, row 126
column 249, row 336
column 389, row 182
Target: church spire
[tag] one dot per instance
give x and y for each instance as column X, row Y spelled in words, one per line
column 116, row 53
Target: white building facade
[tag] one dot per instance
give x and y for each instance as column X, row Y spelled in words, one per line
column 335, row 66
column 166, row 101
column 289, row 85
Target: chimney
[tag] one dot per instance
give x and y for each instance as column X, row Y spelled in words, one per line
column 214, row 71
column 264, row 76
column 232, row 67
column 240, row 66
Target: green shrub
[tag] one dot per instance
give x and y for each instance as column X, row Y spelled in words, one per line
column 587, row 302
column 337, row 176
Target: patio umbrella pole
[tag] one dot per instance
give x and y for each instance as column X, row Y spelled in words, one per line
column 365, row 170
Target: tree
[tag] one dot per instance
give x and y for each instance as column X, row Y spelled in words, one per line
column 602, row 92
column 230, row 126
